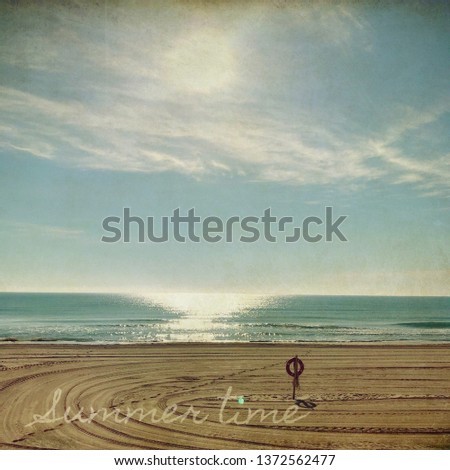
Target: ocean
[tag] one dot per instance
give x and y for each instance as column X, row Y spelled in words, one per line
column 113, row 318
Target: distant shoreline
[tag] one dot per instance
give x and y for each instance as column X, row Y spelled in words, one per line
column 225, row 343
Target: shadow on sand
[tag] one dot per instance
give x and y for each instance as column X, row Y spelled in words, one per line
column 305, row 404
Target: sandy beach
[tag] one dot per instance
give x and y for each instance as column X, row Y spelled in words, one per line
column 366, row 396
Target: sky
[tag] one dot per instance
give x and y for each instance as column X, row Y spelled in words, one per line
column 228, row 108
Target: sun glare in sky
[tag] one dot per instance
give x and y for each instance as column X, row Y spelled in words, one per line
column 202, row 62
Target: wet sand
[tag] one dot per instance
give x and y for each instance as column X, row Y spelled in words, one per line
column 371, row 396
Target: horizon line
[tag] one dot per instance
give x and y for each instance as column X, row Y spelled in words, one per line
column 286, row 294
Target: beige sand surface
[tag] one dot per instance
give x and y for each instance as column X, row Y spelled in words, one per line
column 367, row 396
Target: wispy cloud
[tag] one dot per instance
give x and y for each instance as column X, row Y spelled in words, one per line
column 31, row 229
column 118, row 90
